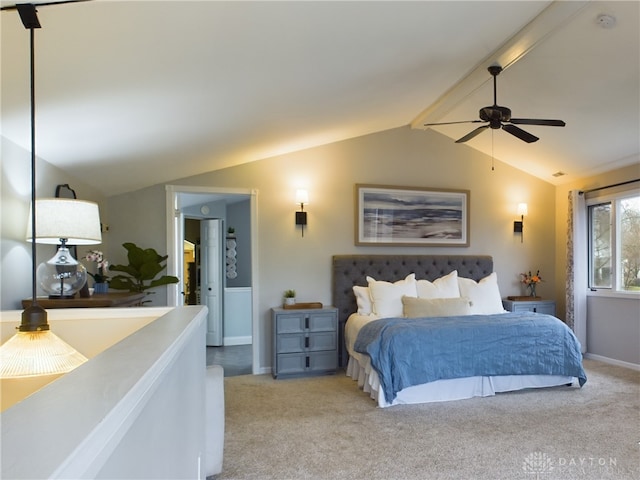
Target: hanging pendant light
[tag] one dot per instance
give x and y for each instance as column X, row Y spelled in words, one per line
column 34, row 349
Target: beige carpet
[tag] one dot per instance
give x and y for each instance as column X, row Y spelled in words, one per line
column 326, row 428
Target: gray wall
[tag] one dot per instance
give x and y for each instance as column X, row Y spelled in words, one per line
column 613, row 328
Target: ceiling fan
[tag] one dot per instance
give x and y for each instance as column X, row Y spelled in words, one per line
column 497, row 117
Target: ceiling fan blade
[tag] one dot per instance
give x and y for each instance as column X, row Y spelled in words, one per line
column 452, row 123
column 533, row 121
column 521, row 134
column 43, row 4
column 472, row 134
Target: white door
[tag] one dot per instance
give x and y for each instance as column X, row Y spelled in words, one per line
column 211, row 272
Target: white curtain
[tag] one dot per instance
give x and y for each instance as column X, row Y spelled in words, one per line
column 577, row 267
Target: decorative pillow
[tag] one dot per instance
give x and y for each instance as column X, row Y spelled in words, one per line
column 443, row 287
column 484, row 295
column 363, row 299
column 435, row 307
column 386, row 297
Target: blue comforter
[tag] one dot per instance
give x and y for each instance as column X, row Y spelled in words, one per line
column 412, row 351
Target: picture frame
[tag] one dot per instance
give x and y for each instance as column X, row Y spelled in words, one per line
column 411, row 216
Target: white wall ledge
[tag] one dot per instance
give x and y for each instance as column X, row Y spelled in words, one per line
column 73, row 427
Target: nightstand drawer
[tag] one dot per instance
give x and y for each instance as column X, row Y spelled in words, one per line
column 304, row 364
column 301, row 343
column 305, row 322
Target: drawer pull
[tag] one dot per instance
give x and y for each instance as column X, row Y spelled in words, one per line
column 306, row 342
column 306, row 323
column 307, row 362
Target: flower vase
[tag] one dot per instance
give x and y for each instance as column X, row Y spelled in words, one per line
column 532, row 289
column 102, row 287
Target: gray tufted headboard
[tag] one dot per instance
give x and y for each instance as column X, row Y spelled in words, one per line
column 350, row 270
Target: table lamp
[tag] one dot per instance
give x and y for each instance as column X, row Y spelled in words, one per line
column 61, row 221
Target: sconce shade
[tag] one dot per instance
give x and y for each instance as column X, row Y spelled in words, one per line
column 522, row 209
column 77, row 221
column 302, row 197
column 28, row 354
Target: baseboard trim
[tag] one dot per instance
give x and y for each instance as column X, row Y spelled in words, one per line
column 228, row 341
column 612, row 361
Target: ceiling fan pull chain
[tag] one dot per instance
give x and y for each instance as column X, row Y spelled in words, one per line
column 493, row 158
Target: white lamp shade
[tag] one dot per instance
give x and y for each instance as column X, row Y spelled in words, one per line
column 302, row 197
column 78, row 221
column 522, row 209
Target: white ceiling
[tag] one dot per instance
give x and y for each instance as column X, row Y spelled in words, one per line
column 131, row 94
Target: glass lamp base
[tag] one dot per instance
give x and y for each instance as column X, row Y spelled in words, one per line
column 62, row 276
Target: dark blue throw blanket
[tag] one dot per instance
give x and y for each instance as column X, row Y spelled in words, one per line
column 412, row 351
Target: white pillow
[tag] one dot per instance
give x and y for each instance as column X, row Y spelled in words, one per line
column 443, row 287
column 363, row 299
column 386, row 297
column 484, row 295
column 435, row 307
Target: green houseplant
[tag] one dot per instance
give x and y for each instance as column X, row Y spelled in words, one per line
column 141, row 274
column 289, row 297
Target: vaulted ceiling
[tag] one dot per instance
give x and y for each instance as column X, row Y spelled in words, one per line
column 131, row 94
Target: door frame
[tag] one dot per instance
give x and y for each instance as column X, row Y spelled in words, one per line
column 175, row 237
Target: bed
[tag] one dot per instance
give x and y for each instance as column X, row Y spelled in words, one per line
column 463, row 303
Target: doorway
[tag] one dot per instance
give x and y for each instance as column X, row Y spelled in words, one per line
column 190, row 207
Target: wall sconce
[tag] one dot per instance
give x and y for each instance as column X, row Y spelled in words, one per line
column 519, row 225
column 302, row 197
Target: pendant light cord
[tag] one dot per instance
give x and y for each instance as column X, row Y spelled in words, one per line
column 33, row 171
column 34, row 317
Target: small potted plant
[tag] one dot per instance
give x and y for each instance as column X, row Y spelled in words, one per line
column 289, row 297
column 100, row 278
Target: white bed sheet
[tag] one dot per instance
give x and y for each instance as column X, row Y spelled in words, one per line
column 359, row 369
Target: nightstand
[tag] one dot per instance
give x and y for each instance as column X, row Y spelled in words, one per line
column 539, row 306
column 305, row 342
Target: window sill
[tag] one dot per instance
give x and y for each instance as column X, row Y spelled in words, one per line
column 613, row 294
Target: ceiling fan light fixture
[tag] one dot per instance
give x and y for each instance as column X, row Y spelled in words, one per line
column 498, row 117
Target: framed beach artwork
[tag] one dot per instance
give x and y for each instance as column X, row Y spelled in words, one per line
column 411, row 216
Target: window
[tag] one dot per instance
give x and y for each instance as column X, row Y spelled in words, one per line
column 614, row 241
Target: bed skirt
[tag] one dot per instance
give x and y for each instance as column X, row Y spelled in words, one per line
column 450, row 389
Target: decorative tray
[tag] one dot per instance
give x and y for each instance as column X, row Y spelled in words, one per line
column 300, row 306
